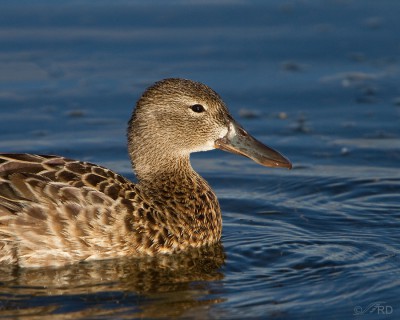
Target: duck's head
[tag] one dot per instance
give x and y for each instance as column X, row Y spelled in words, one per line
column 176, row 117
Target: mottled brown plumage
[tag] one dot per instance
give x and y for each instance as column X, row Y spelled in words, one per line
column 55, row 211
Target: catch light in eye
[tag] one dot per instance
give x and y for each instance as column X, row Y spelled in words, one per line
column 197, row 108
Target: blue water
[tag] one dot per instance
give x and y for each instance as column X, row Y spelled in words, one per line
column 317, row 80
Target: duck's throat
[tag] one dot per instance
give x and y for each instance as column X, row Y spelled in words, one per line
column 180, row 186
column 182, row 194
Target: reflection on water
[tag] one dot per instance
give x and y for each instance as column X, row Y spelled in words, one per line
column 160, row 287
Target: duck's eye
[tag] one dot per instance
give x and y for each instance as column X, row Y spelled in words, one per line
column 197, row 108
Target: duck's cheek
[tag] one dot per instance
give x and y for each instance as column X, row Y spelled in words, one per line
column 210, row 143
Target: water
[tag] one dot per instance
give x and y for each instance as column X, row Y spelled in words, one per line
column 318, row 80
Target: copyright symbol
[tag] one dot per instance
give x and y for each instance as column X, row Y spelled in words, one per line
column 358, row 310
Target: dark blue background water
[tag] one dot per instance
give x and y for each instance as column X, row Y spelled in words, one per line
column 318, row 80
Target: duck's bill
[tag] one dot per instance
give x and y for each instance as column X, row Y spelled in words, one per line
column 238, row 141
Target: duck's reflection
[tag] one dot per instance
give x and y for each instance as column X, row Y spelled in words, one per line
column 169, row 285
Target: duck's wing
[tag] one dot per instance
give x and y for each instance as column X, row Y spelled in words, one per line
column 56, row 208
column 20, row 175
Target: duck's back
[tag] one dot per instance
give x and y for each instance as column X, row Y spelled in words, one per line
column 27, row 179
column 55, row 211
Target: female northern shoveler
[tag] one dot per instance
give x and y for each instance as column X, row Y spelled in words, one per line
column 55, row 211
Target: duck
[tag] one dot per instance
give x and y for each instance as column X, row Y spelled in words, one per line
column 56, row 211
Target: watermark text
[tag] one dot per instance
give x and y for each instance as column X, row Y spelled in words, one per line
column 379, row 307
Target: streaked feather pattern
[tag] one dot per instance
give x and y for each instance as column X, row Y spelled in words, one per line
column 55, row 211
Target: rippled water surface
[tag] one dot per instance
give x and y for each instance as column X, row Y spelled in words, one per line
column 317, row 80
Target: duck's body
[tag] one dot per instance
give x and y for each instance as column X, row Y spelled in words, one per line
column 55, row 211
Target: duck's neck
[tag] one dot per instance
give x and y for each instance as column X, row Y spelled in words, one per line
column 176, row 189
column 175, row 179
column 162, row 166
